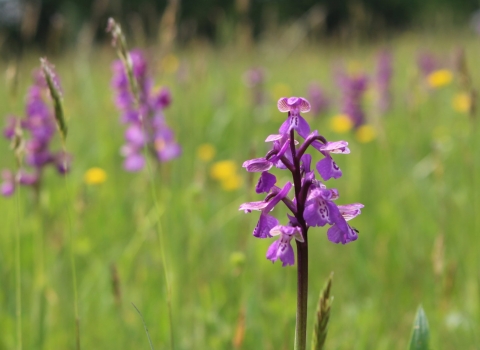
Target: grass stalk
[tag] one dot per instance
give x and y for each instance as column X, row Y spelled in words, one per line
column 120, row 43
column 41, row 277
column 144, row 326
column 62, row 128
column 18, row 270
column 72, row 264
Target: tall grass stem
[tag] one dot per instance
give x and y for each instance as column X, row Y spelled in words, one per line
column 144, row 326
column 18, row 270
column 124, row 55
column 161, row 243
column 72, row 253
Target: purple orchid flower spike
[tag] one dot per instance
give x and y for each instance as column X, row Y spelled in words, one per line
column 313, row 204
column 294, row 105
column 353, row 88
column 38, row 128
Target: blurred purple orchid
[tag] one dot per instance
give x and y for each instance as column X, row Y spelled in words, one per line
column 353, row 88
column 318, row 99
column 39, row 124
column 383, row 77
column 144, row 115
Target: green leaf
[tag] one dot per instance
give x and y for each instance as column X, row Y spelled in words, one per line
column 420, row 333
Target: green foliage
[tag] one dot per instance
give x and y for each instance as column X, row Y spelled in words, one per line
column 419, row 180
column 420, row 338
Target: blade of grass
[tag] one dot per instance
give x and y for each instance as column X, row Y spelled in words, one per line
column 144, row 326
column 420, row 333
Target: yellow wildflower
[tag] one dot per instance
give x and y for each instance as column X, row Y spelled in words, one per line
column 231, row 183
column 439, row 78
column 170, row 63
column 341, row 123
column 223, row 170
column 365, row 133
column 281, row 90
column 95, row 176
column 461, row 102
column 206, row 152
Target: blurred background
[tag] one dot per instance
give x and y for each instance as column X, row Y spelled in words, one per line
column 56, row 24
column 397, row 79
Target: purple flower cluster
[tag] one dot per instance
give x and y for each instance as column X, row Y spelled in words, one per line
column 353, row 88
column 39, row 124
column 144, row 116
column 313, row 204
column 383, row 77
column 318, row 99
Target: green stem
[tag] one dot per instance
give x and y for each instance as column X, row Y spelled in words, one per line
column 302, row 294
column 162, row 250
column 41, row 276
column 72, row 258
column 123, row 53
column 18, row 284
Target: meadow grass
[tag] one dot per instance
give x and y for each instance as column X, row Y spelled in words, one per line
column 418, row 181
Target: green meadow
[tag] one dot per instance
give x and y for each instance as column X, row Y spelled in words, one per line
column 188, row 261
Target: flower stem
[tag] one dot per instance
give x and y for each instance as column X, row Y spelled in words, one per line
column 302, row 294
column 302, row 253
column 18, row 283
